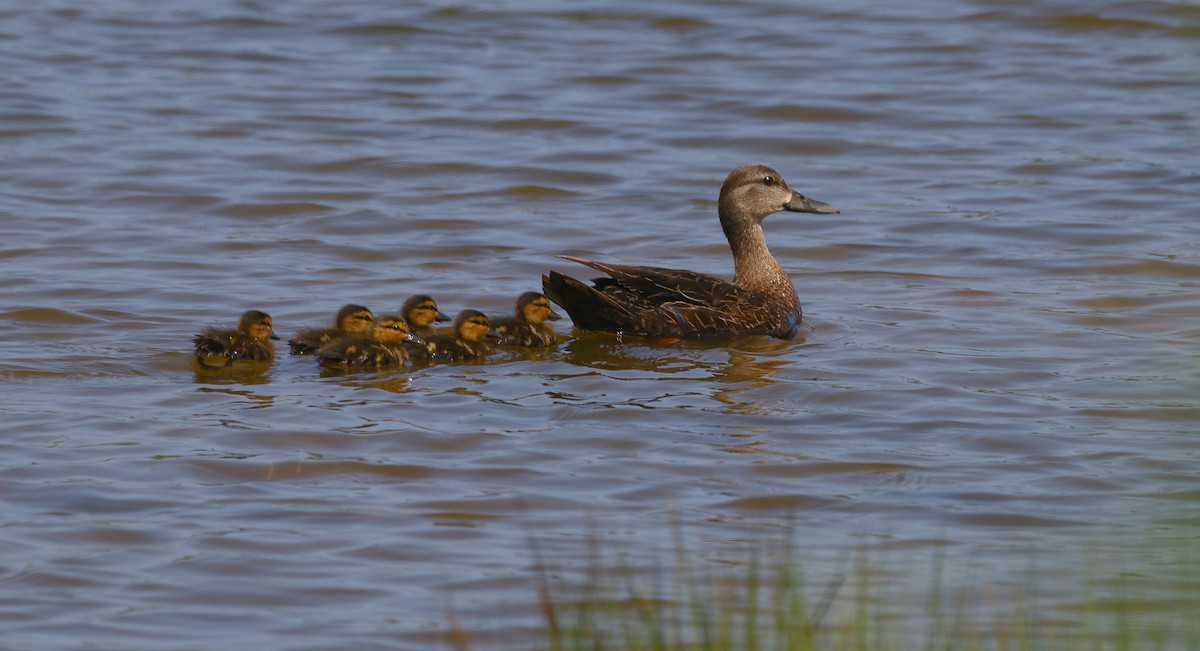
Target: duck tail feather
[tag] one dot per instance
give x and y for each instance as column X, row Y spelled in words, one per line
column 588, row 308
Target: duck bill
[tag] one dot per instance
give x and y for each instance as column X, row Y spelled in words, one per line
column 441, row 318
column 410, row 338
column 553, row 316
column 275, row 336
column 492, row 336
column 801, row 203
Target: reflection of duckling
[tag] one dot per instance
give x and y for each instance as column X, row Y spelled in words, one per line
column 421, row 312
column 470, row 329
column 528, row 327
column 350, row 320
column 384, row 347
column 251, row 340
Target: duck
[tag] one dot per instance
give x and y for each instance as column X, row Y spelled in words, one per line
column 384, row 346
column 675, row 303
column 527, row 327
column 421, row 312
column 250, row 340
column 467, row 338
column 351, row 319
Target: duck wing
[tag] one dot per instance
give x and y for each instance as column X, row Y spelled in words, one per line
column 658, row 301
column 214, row 343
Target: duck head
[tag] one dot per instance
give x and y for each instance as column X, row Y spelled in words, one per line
column 533, row 307
column 755, row 191
column 473, row 325
column 392, row 330
column 354, row 319
column 421, row 311
column 257, row 325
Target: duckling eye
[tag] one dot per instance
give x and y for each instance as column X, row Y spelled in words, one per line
column 768, row 180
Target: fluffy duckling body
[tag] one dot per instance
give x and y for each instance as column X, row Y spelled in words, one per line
column 421, row 312
column 350, row 320
column 251, row 340
column 528, row 327
column 467, row 339
column 676, row 303
column 385, row 346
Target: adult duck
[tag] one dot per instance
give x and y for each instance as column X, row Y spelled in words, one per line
column 676, row 303
column 350, row 320
column 220, row 347
column 421, row 312
column 385, row 346
column 527, row 327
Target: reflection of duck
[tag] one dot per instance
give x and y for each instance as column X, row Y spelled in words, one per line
column 465, row 341
column 384, row 347
column 527, row 327
column 421, row 312
column 655, row 301
column 351, row 319
column 251, row 340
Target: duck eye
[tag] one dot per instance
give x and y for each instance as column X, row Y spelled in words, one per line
column 768, row 180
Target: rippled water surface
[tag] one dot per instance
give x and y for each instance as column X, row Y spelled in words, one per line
column 1001, row 358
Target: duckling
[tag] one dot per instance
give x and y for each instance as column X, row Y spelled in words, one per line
column 251, row 340
column 466, row 340
column 384, row 347
column 528, row 326
column 421, row 312
column 351, row 320
column 676, row 303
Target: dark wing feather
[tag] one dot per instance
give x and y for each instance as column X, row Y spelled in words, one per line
column 231, row 344
column 590, row 308
column 213, row 342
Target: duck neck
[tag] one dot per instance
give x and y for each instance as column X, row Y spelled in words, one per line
column 754, row 266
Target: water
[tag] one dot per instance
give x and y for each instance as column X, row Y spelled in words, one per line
column 999, row 367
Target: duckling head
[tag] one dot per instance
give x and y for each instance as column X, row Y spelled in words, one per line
column 354, row 319
column 473, row 325
column 533, row 307
column 392, row 329
column 421, row 310
column 257, row 325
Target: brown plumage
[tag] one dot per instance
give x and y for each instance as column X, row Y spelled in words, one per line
column 672, row 302
column 421, row 312
column 467, row 339
column 251, row 340
column 350, row 320
column 385, row 346
column 527, row 327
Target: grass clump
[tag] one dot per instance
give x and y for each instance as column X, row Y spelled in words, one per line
column 765, row 604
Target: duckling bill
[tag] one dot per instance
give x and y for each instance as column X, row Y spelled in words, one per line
column 655, row 301
column 251, row 340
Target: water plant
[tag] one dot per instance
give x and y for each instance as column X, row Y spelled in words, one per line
column 763, row 603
